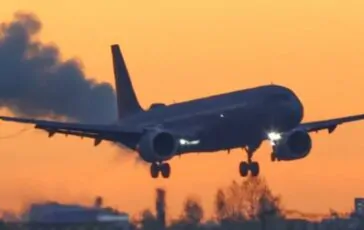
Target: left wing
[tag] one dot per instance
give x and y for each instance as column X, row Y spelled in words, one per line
column 330, row 124
column 99, row 132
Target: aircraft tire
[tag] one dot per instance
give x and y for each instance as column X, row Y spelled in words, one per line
column 165, row 170
column 254, row 169
column 243, row 169
column 154, row 170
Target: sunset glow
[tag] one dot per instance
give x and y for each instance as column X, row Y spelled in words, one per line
column 198, row 48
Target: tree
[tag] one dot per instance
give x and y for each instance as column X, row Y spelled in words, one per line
column 192, row 211
column 148, row 221
column 220, row 205
column 250, row 199
column 333, row 214
column 225, row 207
column 191, row 216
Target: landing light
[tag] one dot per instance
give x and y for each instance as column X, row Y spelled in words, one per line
column 187, row 142
column 273, row 137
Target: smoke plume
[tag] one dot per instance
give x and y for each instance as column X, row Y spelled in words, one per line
column 35, row 82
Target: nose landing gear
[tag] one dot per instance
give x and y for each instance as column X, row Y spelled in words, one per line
column 273, row 157
column 250, row 165
column 163, row 168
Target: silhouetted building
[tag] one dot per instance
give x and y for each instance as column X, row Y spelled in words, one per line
column 61, row 214
column 161, row 207
column 359, row 206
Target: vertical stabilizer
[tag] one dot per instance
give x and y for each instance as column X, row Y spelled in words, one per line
column 127, row 101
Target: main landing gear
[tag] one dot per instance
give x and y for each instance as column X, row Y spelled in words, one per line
column 251, row 166
column 160, row 167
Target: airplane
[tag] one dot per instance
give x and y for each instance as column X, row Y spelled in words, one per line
column 239, row 119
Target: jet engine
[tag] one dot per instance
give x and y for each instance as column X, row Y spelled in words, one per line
column 157, row 145
column 293, row 145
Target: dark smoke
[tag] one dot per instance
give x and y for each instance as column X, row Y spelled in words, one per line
column 35, row 82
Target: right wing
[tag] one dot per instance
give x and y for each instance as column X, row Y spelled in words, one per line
column 98, row 132
column 329, row 124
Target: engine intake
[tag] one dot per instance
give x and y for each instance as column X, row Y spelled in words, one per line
column 157, row 146
column 294, row 145
column 164, row 144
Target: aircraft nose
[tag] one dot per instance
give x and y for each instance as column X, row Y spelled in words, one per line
column 297, row 108
column 294, row 109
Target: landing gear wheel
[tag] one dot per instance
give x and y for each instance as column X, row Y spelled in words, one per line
column 244, row 169
column 251, row 166
column 154, row 170
column 165, row 170
column 254, row 169
column 162, row 168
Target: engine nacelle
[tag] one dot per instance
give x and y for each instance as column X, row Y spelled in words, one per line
column 157, row 146
column 293, row 145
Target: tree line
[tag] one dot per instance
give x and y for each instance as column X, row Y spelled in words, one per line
column 250, row 199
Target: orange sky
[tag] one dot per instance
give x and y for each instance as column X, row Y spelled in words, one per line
column 199, row 48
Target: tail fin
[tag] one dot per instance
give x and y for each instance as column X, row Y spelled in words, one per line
column 127, row 101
